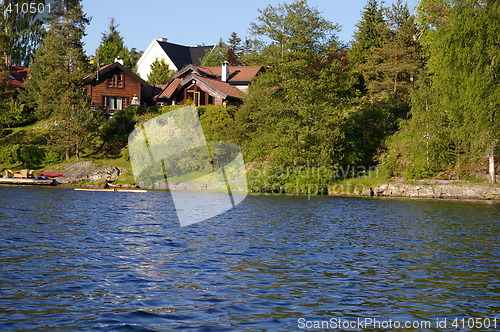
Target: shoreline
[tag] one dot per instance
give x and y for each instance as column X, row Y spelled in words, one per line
column 431, row 191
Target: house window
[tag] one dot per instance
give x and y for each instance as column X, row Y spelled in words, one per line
column 115, row 81
column 112, row 103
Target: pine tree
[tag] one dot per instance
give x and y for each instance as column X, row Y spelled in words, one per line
column 112, row 47
column 370, row 33
column 134, row 56
column 56, row 85
column 235, row 50
column 216, row 56
column 392, row 68
column 160, row 72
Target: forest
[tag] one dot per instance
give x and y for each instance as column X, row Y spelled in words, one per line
column 412, row 96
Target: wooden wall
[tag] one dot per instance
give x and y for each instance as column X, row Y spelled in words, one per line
column 100, row 88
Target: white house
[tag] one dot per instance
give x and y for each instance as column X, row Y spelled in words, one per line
column 177, row 56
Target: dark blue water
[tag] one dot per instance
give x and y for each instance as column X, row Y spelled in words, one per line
column 86, row 261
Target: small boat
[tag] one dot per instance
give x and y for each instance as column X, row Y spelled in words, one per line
column 122, row 190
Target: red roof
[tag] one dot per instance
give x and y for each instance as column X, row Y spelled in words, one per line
column 20, row 73
column 236, row 73
column 169, row 91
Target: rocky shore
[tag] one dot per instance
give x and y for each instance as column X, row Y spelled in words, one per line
column 87, row 171
column 447, row 191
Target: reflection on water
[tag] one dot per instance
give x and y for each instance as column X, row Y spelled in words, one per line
column 120, row 261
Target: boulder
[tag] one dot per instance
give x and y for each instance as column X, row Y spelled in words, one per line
column 86, row 171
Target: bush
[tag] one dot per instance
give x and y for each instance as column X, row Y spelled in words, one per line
column 294, row 180
column 15, row 114
column 9, row 154
column 32, row 155
column 53, row 157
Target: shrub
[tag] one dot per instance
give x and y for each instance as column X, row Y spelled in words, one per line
column 53, row 157
column 9, row 154
column 32, row 155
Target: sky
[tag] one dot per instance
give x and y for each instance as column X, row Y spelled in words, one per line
column 201, row 22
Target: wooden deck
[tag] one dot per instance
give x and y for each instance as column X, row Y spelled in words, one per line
column 17, row 181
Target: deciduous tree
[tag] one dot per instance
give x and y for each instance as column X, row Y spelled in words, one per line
column 455, row 110
column 292, row 114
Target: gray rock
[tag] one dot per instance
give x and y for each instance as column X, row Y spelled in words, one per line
column 88, row 171
column 462, row 191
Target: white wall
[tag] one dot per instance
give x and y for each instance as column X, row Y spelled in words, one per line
column 153, row 52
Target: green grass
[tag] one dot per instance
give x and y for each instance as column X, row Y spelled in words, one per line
column 372, row 179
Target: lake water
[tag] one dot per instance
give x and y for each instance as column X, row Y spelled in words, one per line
column 104, row 261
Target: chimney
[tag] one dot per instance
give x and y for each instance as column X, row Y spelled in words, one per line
column 8, row 62
column 119, row 60
column 225, row 71
column 162, row 39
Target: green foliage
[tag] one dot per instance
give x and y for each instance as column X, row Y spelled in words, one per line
column 369, row 34
column 15, row 114
column 20, row 33
column 112, row 47
column 218, row 123
column 293, row 114
column 454, row 109
column 160, row 72
column 55, row 89
column 52, row 157
column 216, row 56
column 9, row 154
column 118, row 128
column 293, row 180
column 32, row 155
column 366, row 128
column 60, row 64
column 392, row 67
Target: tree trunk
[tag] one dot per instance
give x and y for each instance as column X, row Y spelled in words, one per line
column 491, row 157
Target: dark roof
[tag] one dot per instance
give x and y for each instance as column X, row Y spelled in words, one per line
column 149, row 92
column 184, row 55
column 105, row 69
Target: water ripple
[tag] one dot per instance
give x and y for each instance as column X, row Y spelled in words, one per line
column 119, row 262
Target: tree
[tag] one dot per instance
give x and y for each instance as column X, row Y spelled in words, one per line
column 370, row 32
column 6, row 88
column 235, row 50
column 55, row 89
column 160, row 72
column 216, row 56
column 293, row 112
column 392, row 67
column 455, row 108
column 112, row 47
column 23, row 31
column 134, row 56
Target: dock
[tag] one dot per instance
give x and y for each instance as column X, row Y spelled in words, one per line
column 18, row 181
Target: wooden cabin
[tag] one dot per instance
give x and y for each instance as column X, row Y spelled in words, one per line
column 209, row 85
column 114, row 87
